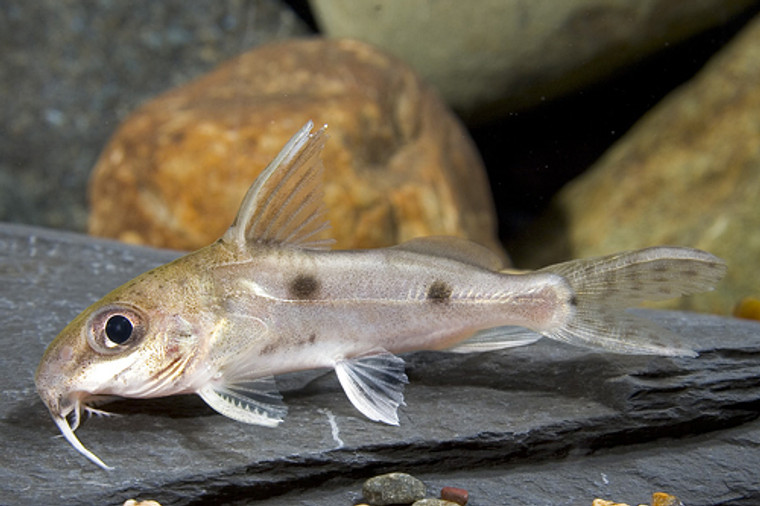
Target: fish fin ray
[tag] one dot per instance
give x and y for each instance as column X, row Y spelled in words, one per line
column 604, row 287
column 99, row 412
column 621, row 332
column 497, row 338
column 454, row 248
column 374, row 384
column 256, row 401
column 285, row 204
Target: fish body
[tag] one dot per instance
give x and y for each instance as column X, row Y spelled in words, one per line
column 269, row 297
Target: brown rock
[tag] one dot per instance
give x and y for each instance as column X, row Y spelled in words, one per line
column 687, row 174
column 455, row 495
column 398, row 163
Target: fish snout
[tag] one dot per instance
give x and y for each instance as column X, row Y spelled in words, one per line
column 61, row 403
column 55, row 382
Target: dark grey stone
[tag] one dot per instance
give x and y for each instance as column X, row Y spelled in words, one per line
column 71, row 72
column 543, row 424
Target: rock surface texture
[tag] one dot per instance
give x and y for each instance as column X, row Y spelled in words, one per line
column 508, row 55
column 398, row 164
column 544, row 424
column 688, row 173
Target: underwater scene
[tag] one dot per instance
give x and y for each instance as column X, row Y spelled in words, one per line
column 380, row 252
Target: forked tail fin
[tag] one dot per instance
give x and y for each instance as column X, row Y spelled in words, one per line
column 604, row 287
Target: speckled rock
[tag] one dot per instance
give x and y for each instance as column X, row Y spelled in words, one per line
column 688, row 174
column 398, row 163
column 507, row 55
column 393, row 488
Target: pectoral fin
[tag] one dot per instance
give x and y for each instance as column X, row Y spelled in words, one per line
column 374, row 384
column 256, row 401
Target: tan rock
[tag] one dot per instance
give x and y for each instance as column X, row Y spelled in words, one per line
column 604, row 502
column 398, row 163
column 429, row 501
column 687, row 174
column 135, row 502
column 502, row 55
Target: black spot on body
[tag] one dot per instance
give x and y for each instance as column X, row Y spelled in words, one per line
column 573, row 300
column 303, row 286
column 270, row 348
column 439, row 291
column 312, row 338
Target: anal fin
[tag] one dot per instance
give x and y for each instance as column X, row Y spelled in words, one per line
column 256, row 401
column 497, row 338
column 374, row 384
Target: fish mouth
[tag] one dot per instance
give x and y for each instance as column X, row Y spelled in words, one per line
column 61, row 419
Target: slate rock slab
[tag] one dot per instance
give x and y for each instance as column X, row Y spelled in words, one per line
column 544, row 424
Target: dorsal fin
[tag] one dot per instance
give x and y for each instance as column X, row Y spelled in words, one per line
column 285, row 204
column 454, row 248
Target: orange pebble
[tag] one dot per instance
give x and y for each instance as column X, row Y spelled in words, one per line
column 663, row 499
column 748, row 307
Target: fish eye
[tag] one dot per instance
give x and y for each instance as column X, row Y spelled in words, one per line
column 116, row 328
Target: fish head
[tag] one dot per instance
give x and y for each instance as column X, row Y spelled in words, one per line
column 139, row 341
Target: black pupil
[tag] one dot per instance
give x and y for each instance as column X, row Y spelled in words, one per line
column 118, row 329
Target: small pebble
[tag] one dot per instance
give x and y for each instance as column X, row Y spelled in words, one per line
column 658, row 499
column 393, row 488
column 748, row 308
column 434, row 502
column 135, row 502
column 663, row 499
column 455, row 495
